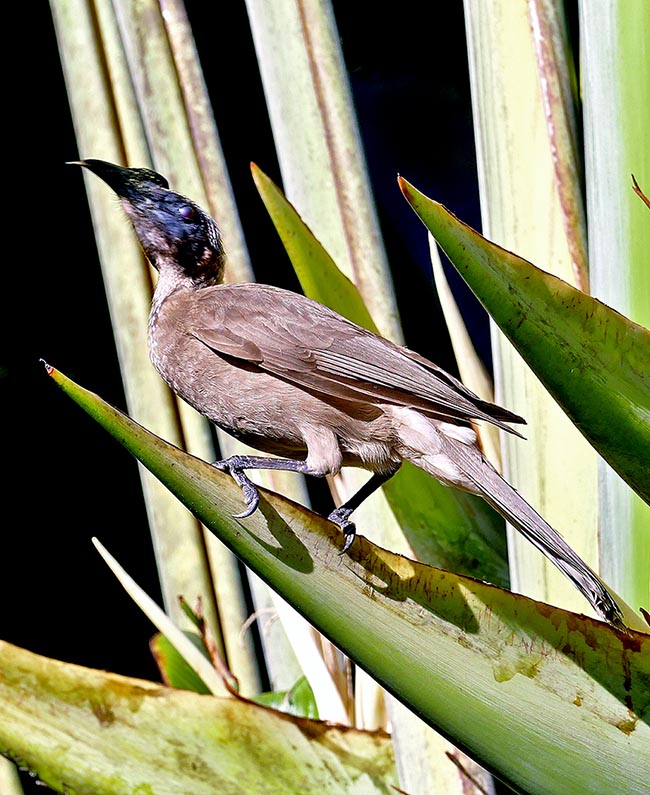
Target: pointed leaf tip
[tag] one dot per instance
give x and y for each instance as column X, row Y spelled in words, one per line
column 48, row 367
column 590, row 358
column 407, row 188
column 571, row 654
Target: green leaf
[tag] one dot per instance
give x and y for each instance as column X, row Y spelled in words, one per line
column 297, row 701
column 594, row 361
column 503, row 676
column 443, row 526
column 176, row 672
column 317, row 272
column 86, row 731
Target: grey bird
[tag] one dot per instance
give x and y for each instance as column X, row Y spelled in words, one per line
column 290, row 377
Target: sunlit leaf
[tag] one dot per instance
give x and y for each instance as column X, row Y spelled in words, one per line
column 594, row 361
column 87, row 731
column 460, row 653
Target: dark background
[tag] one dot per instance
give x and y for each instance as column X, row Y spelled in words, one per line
column 68, row 480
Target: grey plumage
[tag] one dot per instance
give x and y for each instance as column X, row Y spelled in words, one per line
column 292, row 378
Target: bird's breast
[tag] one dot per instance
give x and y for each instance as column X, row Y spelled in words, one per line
column 247, row 403
column 259, row 408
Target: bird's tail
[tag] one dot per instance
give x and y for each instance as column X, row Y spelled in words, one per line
column 487, row 482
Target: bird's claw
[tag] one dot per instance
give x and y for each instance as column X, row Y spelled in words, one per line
column 252, row 497
column 340, row 517
column 251, row 494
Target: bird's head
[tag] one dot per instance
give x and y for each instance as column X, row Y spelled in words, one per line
column 174, row 232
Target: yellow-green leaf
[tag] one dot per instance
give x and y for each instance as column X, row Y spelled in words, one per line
column 594, row 361
column 87, row 731
column 503, row 676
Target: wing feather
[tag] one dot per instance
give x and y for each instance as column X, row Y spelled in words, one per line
column 303, row 342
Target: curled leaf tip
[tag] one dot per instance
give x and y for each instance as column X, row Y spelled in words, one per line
column 48, row 367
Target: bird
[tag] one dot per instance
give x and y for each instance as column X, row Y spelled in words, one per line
column 296, row 380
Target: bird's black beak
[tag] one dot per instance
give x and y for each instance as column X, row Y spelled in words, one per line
column 126, row 182
column 116, row 177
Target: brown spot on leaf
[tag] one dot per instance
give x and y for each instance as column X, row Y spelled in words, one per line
column 628, row 726
column 104, row 714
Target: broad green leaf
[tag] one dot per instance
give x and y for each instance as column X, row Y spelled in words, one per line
column 87, row 731
column 504, row 677
column 443, row 526
column 594, row 361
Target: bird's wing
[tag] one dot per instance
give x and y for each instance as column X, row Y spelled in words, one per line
column 303, row 342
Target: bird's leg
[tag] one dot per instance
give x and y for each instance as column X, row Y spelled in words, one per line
column 236, row 464
column 341, row 515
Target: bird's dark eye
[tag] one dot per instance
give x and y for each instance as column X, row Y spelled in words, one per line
column 187, row 212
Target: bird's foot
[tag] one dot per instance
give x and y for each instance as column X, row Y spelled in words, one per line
column 341, row 517
column 233, row 466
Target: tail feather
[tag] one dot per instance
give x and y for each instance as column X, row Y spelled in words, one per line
column 513, row 507
column 459, row 463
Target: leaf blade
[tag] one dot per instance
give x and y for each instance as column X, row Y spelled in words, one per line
column 85, row 731
column 594, row 361
column 406, row 623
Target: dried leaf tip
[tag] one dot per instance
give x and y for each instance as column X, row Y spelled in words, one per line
column 639, row 192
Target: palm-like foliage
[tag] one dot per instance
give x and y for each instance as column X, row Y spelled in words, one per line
column 145, row 69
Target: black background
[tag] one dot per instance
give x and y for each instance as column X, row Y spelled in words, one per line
column 65, row 479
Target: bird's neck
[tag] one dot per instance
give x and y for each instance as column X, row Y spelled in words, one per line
column 171, row 280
